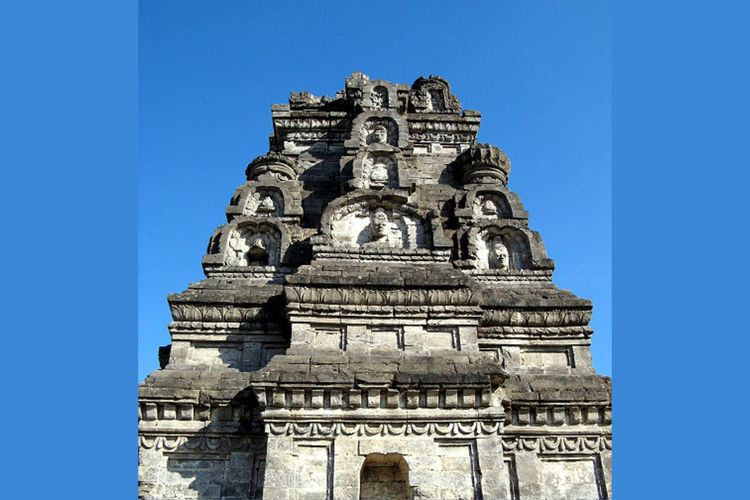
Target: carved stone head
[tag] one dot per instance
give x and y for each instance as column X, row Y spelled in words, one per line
column 379, row 224
column 499, row 255
column 379, row 134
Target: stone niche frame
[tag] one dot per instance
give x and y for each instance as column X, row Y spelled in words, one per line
column 526, row 248
column 398, row 139
column 391, row 201
column 288, row 193
column 423, row 92
column 512, row 207
column 359, row 171
column 215, row 260
column 371, row 88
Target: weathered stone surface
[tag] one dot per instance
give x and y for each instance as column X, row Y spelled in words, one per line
column 377, row 320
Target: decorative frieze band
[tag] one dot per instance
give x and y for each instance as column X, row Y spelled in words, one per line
column 435, row 311
column 216, row 313
column 168, row 410
column 333, row 253
column 450, row 138
column 441, row 429
column 353, row 399
column 201, row 442
column 523, row 415
column 383, row 297
column 311, row 123
column 520, row 317
column 524, row 332
column 557, row 444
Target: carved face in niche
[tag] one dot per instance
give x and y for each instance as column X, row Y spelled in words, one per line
column 499, row 255
column 379, row 134
column 379, row 224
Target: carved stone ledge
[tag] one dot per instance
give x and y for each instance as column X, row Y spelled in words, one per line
column 374, row 398
column 201, row 442
column 557, row 444
column 535, row 318
column 437, row 429
column 383, row 297
column 560, row 415
column 533, row 332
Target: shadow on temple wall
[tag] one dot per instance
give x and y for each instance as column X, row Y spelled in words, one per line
column 322, row 181
column 224, row 460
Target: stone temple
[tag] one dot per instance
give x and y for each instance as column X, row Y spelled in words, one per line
column 378, row 321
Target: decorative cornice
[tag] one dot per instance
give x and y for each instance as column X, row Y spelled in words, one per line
column 384, row 297
column 374, row 398
column 557, row 415
column 439, row 429
column 557, row 444
column 201, row 442
column 540, row 317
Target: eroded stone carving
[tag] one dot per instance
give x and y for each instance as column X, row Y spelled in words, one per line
column 263, row 203
column 379, row 131
column 499, row 257
column 433, row 95
column 379, row 171
column 379, row 97
column 358, row 226
column 252, row 248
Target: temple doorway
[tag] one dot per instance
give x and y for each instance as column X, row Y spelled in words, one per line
column 384, row 477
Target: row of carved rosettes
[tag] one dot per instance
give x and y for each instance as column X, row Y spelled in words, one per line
column 535, row 318
column 553, row 415
column 557, row 444
column 383, row 297
column 202, row 442
column 440, row 429
column 352, row 399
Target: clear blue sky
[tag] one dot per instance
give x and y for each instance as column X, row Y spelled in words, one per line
column 539, row 72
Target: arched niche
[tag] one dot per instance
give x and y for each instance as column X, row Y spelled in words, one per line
column 372, row 221
column 433, row 95
column 248, row 243
column 269, row 198
column 482, row 203
column 253, row 245
column 379, row 129
column 489, row 205
column 379, row 98
column 384, row 477
column 502, row 248
column 376, row 170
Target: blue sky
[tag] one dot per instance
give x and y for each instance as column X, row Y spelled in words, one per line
column 539, row 72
